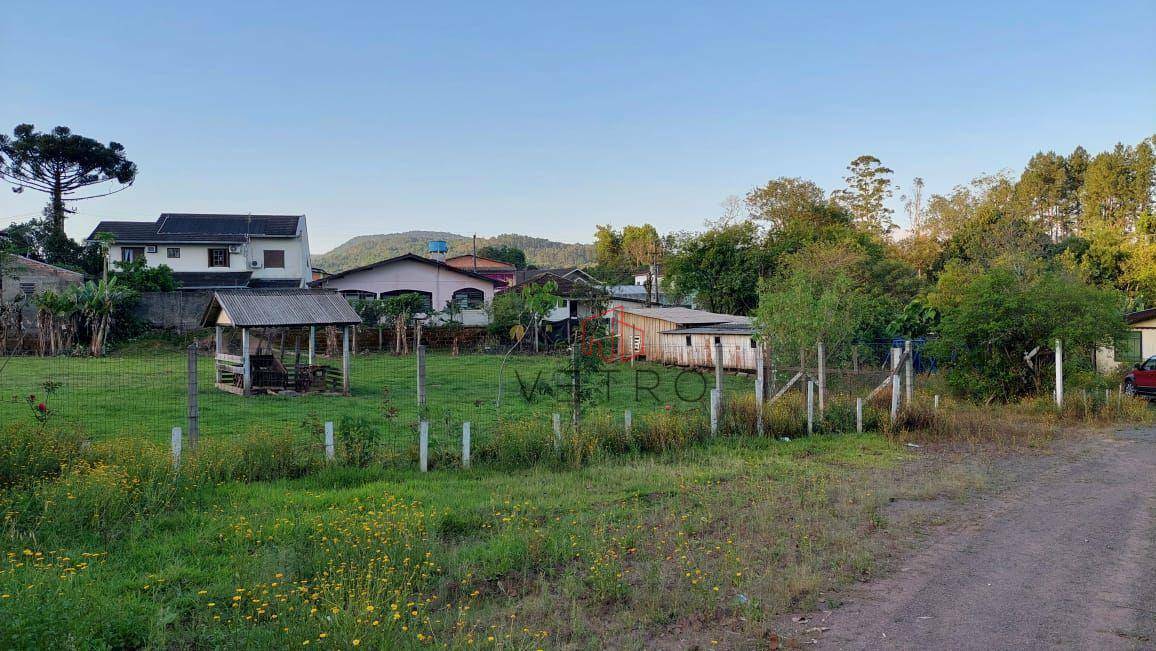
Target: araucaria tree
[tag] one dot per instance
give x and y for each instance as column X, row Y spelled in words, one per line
column 63, row 165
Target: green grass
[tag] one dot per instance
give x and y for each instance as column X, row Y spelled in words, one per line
column 143, row 393
column 712, row 542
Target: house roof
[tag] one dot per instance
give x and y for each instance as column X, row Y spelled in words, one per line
column 717, row 329
column 250, row 308
column 1142, row 315
column 212, row 279
column 405, row 256
column 686, row 316
column 571, row 273
column 484, row 264
column 566, row 287
column 22, row 262
column 193, row 228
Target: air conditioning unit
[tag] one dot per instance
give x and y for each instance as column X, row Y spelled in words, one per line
column 234, row 248
column 254, row 264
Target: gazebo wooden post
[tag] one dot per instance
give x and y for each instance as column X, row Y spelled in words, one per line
column 218, row 340
column 345, row 360
column 247, row 367
column 312, row 343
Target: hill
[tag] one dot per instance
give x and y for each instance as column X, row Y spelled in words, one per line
column 365, row 249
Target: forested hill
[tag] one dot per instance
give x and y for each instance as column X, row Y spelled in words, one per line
column 365, row 249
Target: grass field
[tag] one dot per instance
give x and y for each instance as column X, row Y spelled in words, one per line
column 707, row 546
column 143, row 392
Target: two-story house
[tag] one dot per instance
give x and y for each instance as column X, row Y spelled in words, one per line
column 216, row 251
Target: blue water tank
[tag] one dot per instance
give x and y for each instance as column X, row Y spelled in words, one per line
column 438, row 246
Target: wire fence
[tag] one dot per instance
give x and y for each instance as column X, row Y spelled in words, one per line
column 144, row 391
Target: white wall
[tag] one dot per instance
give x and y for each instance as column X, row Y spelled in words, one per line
column 439, row 282
column 195, row 257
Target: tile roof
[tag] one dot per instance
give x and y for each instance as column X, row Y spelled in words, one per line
column 248, row 308
column 405, row 256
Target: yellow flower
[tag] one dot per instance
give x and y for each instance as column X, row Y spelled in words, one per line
column 357, row 643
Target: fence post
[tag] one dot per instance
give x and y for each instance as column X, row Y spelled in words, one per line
column 423, row 446
column 715, row 407
column 312, row 343
column 935, row 402
column 908, row 371
column 760, row 388
column 557, row 433
column 194, row 404
column 895, row 355
column 466, row 444
column 345, row 359
column 176, row 447
column 822, row 364
column 329, row 452
column 575, row 388
column 420, row 353
column 859, row 415
column 246, row 365
column 718, row 366
column 218, row 344
column 1059, row 374
column 628, row 422
column 810, row 407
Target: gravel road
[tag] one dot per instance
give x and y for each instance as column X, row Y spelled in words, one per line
column 1064, row 558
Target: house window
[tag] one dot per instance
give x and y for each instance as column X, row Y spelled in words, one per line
column 218, row 257
column 754, row 344
column 426, row 297
column 274, row 259
column 173, row 252
column 1128, row 348
column 130, row 253
column 152, row 248
column 28, row 289
column 688, row 340
column 469, row 298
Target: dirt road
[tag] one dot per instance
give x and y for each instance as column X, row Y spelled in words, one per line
column 1064, row 558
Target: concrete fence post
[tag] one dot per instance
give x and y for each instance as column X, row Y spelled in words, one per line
column 908, row 372
column 810, row 407
column 423, row 446
column 715, row 408
column 896, row 354
column 466, row 444
column 821, row 363
column 176, row 443
column 628, row 422
column 1059, row 374
column 760, row 389
column 420, row 354
column 329, row 448
column 859, row 415
column 194, row 402
column 935, row 402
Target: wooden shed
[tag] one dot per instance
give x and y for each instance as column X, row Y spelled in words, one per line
column 640, row 331
column 246, row 309
column 695, row 346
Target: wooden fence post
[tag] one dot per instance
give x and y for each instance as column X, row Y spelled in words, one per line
column 194, row 402
column 859, row 415
column 1059, row 374
column 466, row 444
column 329, row 450
column 176, row 443
column 810, row 407
column 760, row 389
column 908, row 371
column 821, row 351
column 423, row 446
column 896, row 355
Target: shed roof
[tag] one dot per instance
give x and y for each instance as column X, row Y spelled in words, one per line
column 685, row 315
column 249, row 308
column 742, row 329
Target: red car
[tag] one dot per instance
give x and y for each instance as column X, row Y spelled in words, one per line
column 1141, row 381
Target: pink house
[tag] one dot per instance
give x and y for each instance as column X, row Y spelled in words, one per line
column 436, row 281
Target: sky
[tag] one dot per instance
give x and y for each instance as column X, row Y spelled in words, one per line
column 546, row 119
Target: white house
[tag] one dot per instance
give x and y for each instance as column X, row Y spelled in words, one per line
column 217, row 251
column 435, row 281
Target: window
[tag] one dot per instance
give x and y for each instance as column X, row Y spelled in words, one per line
column 1128, row 348
column 357, row 295
column 469, row 298
column 1149, row 365
column 753, row 343
column 718, row 340
column 130, row 253
column 173, row 252
column 688, row 340
column 274, row 259
column 28, row 289
column 426, row 297
column 218, row 257
column 152, row 248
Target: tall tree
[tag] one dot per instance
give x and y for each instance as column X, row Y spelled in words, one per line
column 62, row 164
column 508, row 254
column 784, row 200
column 868, row 189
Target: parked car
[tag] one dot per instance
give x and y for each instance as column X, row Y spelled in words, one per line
column 1141, row 380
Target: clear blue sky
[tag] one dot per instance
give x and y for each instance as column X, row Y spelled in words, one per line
column 490, row 118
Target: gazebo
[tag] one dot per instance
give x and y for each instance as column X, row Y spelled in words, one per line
column 278, row 308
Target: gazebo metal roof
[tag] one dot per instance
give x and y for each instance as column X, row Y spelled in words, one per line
column 257, row 308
